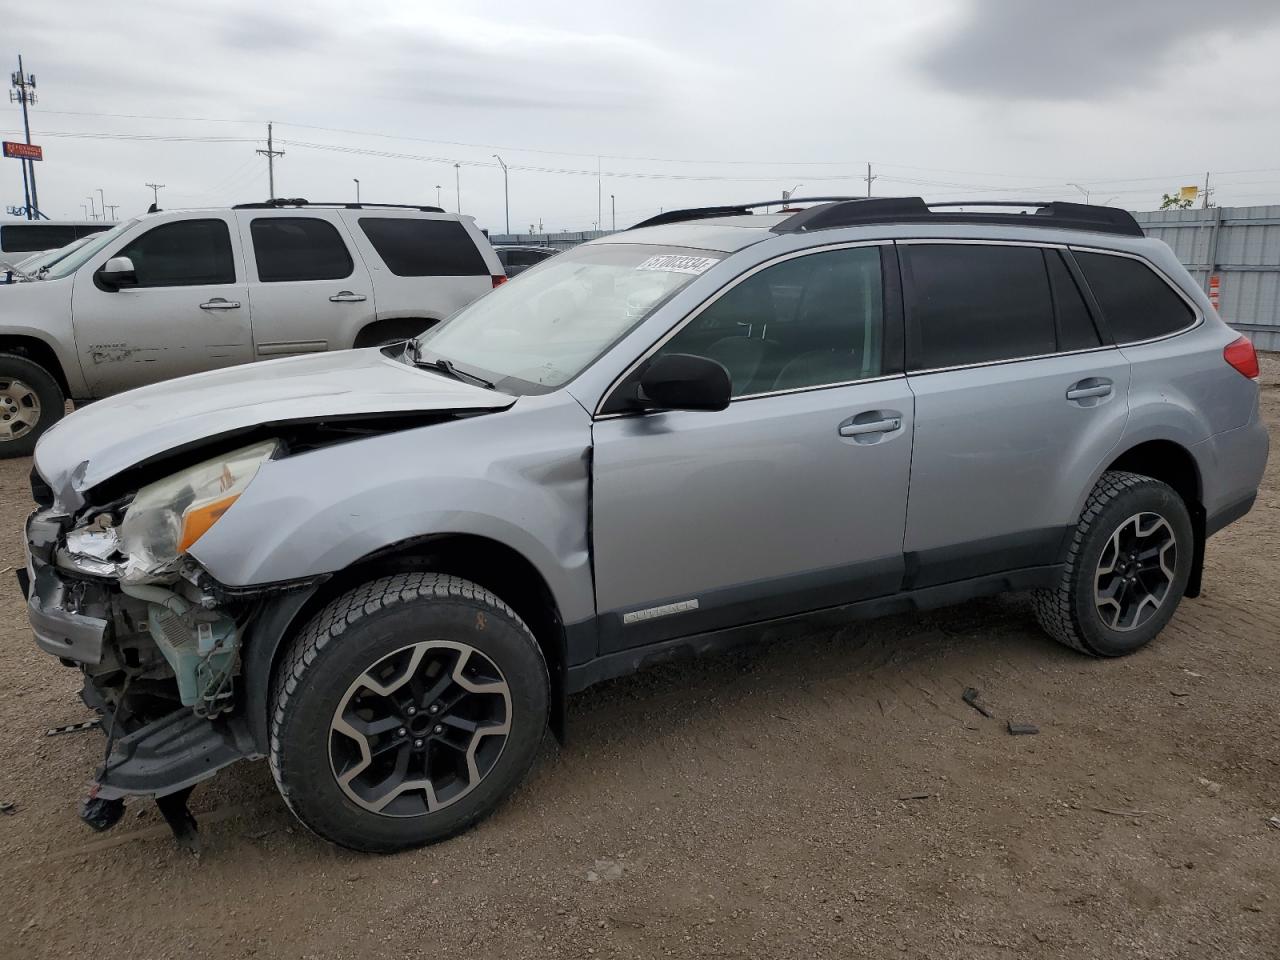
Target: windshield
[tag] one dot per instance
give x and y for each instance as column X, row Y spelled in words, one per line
column 540, row 331
column 32, row 265
column 70, row 264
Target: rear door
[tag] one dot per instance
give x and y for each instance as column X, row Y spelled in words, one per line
column 1018, row 401
column 425, row 266
column 791, row 499
column 310, row 291
column 188, row 313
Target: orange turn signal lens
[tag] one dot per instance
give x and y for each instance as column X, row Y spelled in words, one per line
column 196, row 521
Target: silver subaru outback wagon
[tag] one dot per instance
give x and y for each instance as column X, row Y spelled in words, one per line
column 385, row 570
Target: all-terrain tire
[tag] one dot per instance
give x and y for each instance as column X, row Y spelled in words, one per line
column 349, row 636
column 1069, row 611
column 26, row 388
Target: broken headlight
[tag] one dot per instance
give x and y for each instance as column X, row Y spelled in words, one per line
column 168, row 516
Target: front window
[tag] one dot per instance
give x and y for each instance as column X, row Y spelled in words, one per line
column 541, row 331
column 69, row 265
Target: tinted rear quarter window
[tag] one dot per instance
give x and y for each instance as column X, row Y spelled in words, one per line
column 424, row 248
column 1136, row 302
column 30, row 237
column 977, row 303
column 299, row 248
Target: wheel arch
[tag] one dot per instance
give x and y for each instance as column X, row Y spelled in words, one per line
column 490, row 563
column 1172, row 463
column 37, row 351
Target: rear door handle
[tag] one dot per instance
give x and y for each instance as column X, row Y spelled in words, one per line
column 851, row 428
column 1088, row 389
column 346, row 296
column 220, row 303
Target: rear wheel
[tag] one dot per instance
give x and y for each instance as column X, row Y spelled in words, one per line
column 405, row 711
column 30, row 403
column 1126, row 570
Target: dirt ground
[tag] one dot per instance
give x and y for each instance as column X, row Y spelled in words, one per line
column 746, row 806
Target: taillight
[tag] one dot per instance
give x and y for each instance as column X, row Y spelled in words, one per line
column 1241, row 355
column 498, row 280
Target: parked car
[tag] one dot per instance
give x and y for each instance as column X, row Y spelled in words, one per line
column 385, row 570
column 182, row 291
column 30, row 267
column 22, row 237
column 517, row 258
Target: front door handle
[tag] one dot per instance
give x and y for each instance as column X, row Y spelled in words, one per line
column 851, row 428
column 1094, row 387
column 220, row 303
column 346, row 296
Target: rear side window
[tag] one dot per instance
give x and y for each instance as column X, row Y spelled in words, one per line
column 1136, row 303
column 977, row 303
column 183, row 254
column 1075, row 327
column 424, row 248
column 30, row 237
column 299, row 248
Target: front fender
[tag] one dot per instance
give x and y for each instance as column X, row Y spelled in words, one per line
column 519, row 477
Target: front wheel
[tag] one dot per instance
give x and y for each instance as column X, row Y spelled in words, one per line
column 405, row 711
column 1126, row 570
column 30, row 403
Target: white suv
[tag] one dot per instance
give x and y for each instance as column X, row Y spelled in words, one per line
column 184, row 291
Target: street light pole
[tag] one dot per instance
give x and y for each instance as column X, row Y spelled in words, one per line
column 357, row 183
column 457, row 182
column 506, row 195
column 1081, row 189
column 102, row 202
column 438, row 195
column 92, row 215
column 613, row 209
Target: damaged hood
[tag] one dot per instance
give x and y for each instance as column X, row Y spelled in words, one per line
column 102, row 439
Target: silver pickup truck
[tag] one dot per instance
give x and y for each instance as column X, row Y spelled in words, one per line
column 183, row 291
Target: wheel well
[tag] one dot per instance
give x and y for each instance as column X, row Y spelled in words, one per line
column 39, row 352
column 396, row 328
column 1170, row 463
column 489, row 563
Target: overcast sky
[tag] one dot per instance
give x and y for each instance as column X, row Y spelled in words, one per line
column 684, row 103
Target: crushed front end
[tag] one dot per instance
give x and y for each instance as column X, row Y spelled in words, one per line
column 112, row 592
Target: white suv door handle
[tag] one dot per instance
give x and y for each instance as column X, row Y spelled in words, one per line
column 1083, row 392
column 220, row 303
column 346, row 296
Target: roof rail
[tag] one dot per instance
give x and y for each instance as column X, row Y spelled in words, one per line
column 280, row 202
column 1052, row 213
column 731, row 210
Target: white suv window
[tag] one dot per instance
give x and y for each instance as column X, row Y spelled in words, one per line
column 299, row 248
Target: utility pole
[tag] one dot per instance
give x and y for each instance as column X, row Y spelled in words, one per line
column 112, row 208
column 1204, row 194
column 869, row 179
column 613, row 208
column 506, row 194
column 102, row 203
column 271, row 155
column 92, row 210
column 85, row 210
column 155, row 193
column 457, row 183
column 25, row 86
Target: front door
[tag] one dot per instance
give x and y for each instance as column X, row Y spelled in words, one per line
column 309, row 291
column 1018, row 403
column 189, row 311
column 794, row 497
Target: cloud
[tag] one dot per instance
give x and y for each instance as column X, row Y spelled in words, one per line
column 1027, row 49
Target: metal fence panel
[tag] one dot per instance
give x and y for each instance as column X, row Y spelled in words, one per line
column 1241, row 245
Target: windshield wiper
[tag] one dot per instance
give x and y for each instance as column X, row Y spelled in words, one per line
column 447, row 368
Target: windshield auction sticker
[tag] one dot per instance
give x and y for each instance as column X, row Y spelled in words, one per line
column 674, row 263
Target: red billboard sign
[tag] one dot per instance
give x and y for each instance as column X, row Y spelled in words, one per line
column 23, row 151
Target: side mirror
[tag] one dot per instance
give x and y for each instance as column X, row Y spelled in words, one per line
column 116, row 273
column 682, row 381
